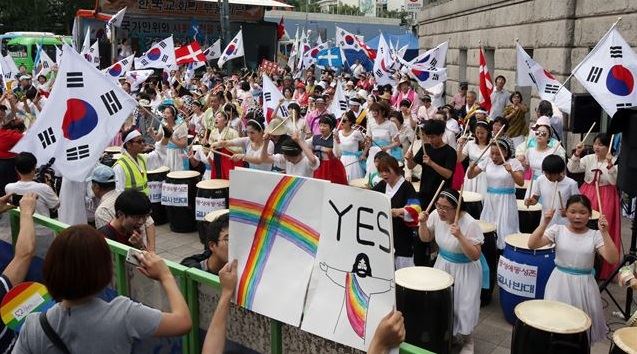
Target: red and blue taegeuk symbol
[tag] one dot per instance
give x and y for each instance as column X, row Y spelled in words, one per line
column 349, row 39
column 154, row 54
column 116, row 70
column 314, row 52
column 620, row 80
column 230, row 49
column 421, row 75
column 549, row 75
column 424, row 60
column 79, row 120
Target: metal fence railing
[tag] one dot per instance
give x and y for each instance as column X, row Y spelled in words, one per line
column 201, row 291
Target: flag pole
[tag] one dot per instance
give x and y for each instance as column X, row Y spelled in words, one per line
column 588, row 55
column 244, row 50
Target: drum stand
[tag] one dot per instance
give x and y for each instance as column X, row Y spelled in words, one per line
column 628, row 259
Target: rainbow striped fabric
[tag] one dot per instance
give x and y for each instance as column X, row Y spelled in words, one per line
column 270, row 221
column 356, row 303
column 23, row 299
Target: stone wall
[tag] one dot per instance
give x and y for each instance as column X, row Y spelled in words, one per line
column 560, row 33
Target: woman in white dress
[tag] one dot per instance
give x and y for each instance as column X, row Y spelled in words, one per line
column 382, row 135
column 473, row 149
column 176, row 155
column 251, row 144
column 459, row 252
column 500, row 206
column 347, row 146
column 543, row 147
column 572, row 280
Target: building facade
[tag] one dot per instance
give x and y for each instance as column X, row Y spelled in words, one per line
column 557, row 34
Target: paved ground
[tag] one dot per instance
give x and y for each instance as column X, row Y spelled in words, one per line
column 493, row 333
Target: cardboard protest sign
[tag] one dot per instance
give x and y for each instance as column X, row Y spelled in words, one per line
column 275, row 227
column 352, row 284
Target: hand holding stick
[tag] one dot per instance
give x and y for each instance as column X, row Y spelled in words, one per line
column 220, row 153
column 530, row 189
column 559, row 195
column 587, row 133
column 455, row 220
column 554, row 195
column 433, row 200
column 599, row 199
column 494, row 139
column 280, row 124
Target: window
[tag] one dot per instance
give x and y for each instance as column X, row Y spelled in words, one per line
column 462, row 65
column 489, row 55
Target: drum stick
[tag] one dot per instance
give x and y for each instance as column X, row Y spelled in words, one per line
column 220, row 153
column 294, row 120
column 431, row 203
column 459, row 204
column 559, row 194
column 557, row 147
column 501, row 154
column 554, row 195
column 491, row 142
column 280, row 124
column 411, row 147
column 424, row 152
column 599, row 199
column 530, row 190
column 610, row 145
column 587, row 133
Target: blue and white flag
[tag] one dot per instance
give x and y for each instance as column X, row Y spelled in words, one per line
column 330, row 58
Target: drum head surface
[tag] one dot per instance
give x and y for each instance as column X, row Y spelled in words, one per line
column 595, row 215
column 626, row 339
column 522, row 241
column 113, row 149
column 359, row 183
column 423, row 278
column 470, row 197
column 214, row 184
column 553, row 316
column 183, row 174
column 161, row 169
column 486, row 227
column 522, row 207
column 213, row 215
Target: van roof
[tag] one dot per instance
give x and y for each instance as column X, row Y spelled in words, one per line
column 37, row 40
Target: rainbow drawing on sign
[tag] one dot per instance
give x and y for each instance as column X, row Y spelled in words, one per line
column 23, row 299
column 356, row 303
column 271, row 221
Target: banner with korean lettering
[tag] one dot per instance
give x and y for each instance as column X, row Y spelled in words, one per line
column 184, row 9
column 516, row 278
column 174, row 195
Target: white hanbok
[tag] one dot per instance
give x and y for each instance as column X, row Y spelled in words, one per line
column 467, row 276
column 176, row 157
column 572, row 280
column 349, row 152
column 479, row 183
column 500, row 206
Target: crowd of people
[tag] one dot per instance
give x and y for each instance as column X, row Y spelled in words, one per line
column 398, row 140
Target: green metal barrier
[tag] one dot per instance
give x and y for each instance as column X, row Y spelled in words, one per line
column 189, row 280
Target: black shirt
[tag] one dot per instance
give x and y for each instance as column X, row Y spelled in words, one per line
column 445, row 157
column 403, row 235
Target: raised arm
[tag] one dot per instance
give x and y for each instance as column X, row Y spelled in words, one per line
column 538, row 239
column 216, row 336
column 17, row 269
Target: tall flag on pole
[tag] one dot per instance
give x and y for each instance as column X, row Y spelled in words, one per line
column 354, row 48
column 189, row 53
column 608, row 73
column 295, row 49
column 214, row 51
column 159, row 56
column 233, row 50
column 115, row 21
column 329, row 58
column 304, row 47
column 339, row 102
column 86, row 46
column 84, row 112
column 427, row 77
column 120, row 68
column 433, row 57
column 486, row 85
column 46, row 64
column 271, row 98
column 530, row 73
column 280, row 29
column 384, row 64
column 93, row 55
column 311, row 56
column 137, row 77
column 9, row 70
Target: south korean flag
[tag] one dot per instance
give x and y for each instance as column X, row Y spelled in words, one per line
column 339, row 103
column 84, row 112
column 120, row 68
column 93, row 55
column 271, row 100
column 609, row 73
column 159, row 56
column 234, row 49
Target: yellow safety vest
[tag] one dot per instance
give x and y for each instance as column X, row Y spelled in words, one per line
column 135, row 179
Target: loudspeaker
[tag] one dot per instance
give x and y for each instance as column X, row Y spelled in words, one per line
column 625, row 122
column 584, row 111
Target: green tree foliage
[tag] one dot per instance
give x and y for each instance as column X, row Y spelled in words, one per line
column 40, row 15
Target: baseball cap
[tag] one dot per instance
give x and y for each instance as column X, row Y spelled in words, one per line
column 103, row 174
